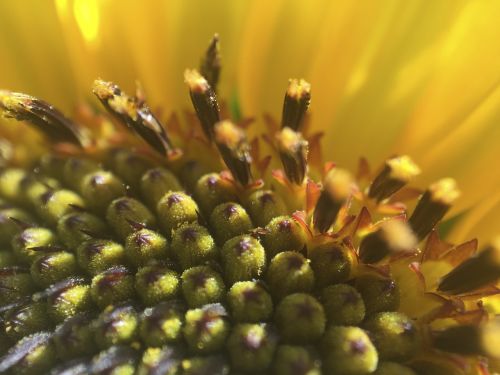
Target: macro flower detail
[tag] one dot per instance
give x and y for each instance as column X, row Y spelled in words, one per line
column 136, row 245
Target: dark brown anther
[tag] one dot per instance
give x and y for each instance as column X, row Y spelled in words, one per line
column 337, row 188
column 44, row 116
column 297, row 99
column 393, row 237
column 397, row 172
column 210, row 64
column 204, row 101
column 235, row 150
column 478, row 271
column 432, row 206
column 135, row 113
column 293, row 149
column 483, row 339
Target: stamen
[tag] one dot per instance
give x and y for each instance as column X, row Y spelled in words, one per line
column 394, row 236
column 293, row 151
column 235, row 150
column 210, row 64
column 44, row 116
column 432, row 206
column 135, row 114
column 337, row 188
column 204, row 101
column 471, row 339
column 297, row 99
column 396, row 173
column 479, row 270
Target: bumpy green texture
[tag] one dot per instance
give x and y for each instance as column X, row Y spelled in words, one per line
column 249, row 302
column 193, row 245
column 394, row 335
column 283, row 233
column 176, row 208
column 156, row 283
column 212, row 190
column 348, row 351
column 343, row 305
column 202, row 285
column 289, row 272
column 243, row 258
column 229, row 220
column 265, row 205
column 300, row 319
column 109, row 266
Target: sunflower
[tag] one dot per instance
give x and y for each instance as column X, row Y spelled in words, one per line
column 211, row 232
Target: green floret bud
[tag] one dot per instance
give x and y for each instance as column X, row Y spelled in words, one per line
column 265, row 205
column 97, row 255
column 394, row 335
column 249, row 302
column 157, row 182
column 229, row 220
column 300, row 319
column 251, row 347
column 176, row 208
column 10, row 185
column 243, row 258
column 215, row 364
column 117, row 360
column 35, row 185
column 343, row 305
column 206, row 329
column 162, row 324
column 112, row 286
column 53, row 204
column 164, row 361
column 68, row 298
column 75, row 169
column 8, row 226
column 193, row 245
column 26, row 244
column 202, row 285
column 156, row 283
column 289, row 272
column 32, row 355
column 77, row 227
column 144, row 246
column 74, row 337
column 25, row 319
column 116, row 325
column 379, row 293
column 7, row 259
column 125, row 214
column 52, row 267
column 191, row 172
column 129, row 166
column 331, row 263
column 212, row 190
column 291, row 360
column 52, row 165
column 348, row 351
column 284, row 233
column 99, row 189
column 15, row 282
column 392, row 368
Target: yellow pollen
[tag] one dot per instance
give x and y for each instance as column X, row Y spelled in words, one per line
column 297, row 89
column 288, row 140
column 103, row 89
column 339, row 184
column 195, row 81
column 444, row 191
column 403, row 168
column 122, row 104
column 399, row 236
column 228, row 134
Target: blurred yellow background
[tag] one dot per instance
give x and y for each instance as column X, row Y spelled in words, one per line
column 419, row 77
